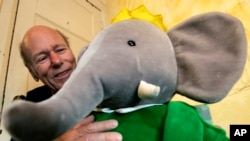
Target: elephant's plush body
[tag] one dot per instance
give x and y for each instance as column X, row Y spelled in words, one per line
column 201, row 58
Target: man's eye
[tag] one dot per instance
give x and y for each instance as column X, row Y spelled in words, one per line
column 41, row 59
column 60, row 50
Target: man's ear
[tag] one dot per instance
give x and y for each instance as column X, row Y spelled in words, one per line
column 82, row 51
column 33, row 72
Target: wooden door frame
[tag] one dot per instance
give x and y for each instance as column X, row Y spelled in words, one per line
column 8, row 15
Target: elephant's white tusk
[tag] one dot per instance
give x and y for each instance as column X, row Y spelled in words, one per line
column 147, row 90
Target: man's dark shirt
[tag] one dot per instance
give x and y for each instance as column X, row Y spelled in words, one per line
column 39, row 94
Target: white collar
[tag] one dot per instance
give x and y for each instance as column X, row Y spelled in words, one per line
column 124, row 110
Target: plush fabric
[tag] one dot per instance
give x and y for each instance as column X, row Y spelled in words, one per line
column 174, row 121
column 194, row 42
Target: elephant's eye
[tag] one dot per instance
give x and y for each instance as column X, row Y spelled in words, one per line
column 131, row 43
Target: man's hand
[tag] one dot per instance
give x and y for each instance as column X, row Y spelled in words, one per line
column 88, row 130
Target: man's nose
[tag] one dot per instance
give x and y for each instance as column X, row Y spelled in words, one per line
column 55, row 59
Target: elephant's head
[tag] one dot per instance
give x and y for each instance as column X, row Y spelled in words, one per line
column 133, row 62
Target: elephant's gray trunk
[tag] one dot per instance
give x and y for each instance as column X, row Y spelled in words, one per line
column 56, row 115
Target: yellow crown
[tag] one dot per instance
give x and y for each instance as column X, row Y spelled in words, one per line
column 140, row 13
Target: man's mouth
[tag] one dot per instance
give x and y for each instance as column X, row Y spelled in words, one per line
column 63, row 75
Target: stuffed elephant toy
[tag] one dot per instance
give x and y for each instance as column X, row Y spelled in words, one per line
column 133, row 63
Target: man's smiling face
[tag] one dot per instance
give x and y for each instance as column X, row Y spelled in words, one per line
column 51, row 59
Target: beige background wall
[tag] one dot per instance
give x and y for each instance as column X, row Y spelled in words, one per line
column 234, row 109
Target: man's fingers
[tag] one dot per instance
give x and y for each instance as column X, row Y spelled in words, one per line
column 108, row 136
column 98, row 126
column 88, row 130
column 85, row 121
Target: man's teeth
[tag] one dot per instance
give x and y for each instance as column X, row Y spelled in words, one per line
column 60, row 74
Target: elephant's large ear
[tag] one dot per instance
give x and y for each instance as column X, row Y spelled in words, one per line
column 211, row 53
